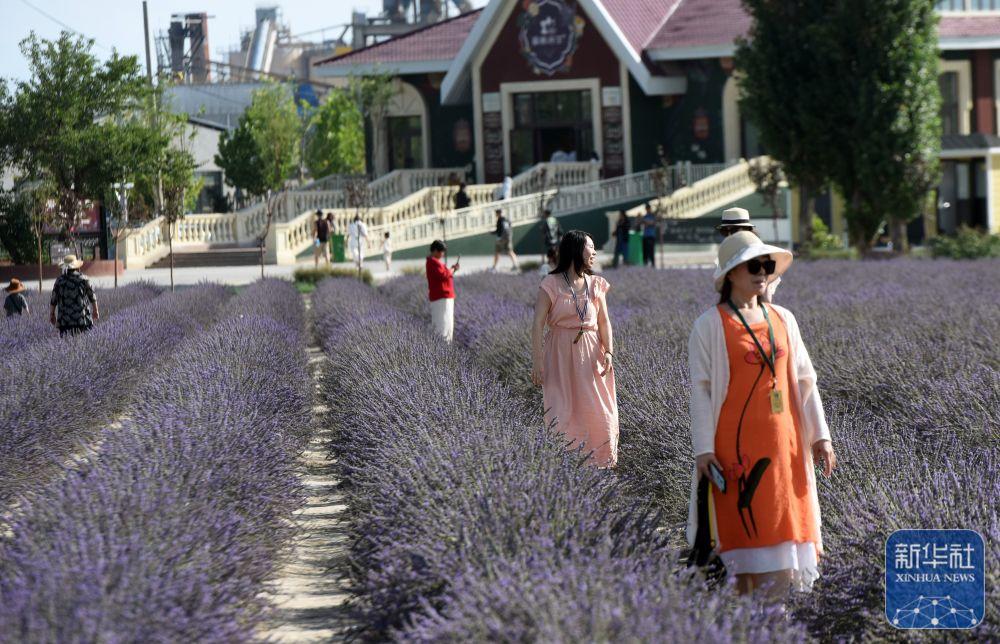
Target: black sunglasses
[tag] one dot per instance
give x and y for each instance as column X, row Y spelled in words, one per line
column 754, row 265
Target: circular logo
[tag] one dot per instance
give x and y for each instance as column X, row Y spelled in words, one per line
column 549, row 31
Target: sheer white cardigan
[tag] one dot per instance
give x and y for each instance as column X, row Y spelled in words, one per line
column 708, row 362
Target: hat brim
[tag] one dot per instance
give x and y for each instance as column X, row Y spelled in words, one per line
column 77, row 264
column 20, row 288
column 781, row 257
column 735, row 224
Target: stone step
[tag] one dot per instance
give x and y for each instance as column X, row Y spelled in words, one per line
column 213, row 257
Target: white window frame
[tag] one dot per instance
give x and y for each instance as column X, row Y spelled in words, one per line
column 507, row 91
column 964, row 70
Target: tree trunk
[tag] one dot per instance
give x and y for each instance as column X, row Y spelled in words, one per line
column 170, row 246
column 39, row 237
column 117, row 241
column 806, row 203
column 897, row 231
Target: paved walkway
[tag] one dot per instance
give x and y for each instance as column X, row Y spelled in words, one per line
column 681, row 257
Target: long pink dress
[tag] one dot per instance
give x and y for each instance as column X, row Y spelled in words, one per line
column 582, row 402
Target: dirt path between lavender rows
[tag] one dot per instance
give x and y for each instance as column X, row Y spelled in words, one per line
column 308, row 592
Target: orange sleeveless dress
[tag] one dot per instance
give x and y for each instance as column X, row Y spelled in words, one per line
column 770, row 527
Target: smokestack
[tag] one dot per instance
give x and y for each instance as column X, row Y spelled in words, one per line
column 197, row 29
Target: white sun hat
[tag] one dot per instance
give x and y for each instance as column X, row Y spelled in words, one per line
column 744, row 246
column 735, row 218
column 70, row 261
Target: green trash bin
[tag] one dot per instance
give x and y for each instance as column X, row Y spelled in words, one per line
column 338, row 248
column 634, row 248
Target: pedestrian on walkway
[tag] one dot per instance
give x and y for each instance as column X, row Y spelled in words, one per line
column 441, row 291
column 551, row 230
column 73, row 305
column 387, row 252
column 15, row 302
column 649, row 229
column 503, row 243
column 321, row 239
column 757, row 427
column 462, row 198
column 356, row 232
column 622, row 229
column 573, row 362
column 505, row 190
column 735, row 220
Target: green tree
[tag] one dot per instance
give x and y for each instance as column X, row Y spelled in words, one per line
column 276, row 129
column 882, row 68
column 336, row 137
column 238, row 156
column 61, row 119
column 783, row 94
column 180, row 192
column 372, row 94
column 16, row 234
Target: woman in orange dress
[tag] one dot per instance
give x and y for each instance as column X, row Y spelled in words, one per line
column 757, row 421
column 573, row 364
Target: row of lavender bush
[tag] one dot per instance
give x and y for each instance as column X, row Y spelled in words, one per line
column 170, row 533
column 907, row 366
column 56, row 393
column 20, row 331
column 471, row 522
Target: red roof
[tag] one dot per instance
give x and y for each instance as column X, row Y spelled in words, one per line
column 952, row 26
column 639, row 20
column 701, row 23
column 439, row 41
column 645, row 24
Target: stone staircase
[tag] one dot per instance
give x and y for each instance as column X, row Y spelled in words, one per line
column 211, row 257
column 399, row 196
column 693, row 190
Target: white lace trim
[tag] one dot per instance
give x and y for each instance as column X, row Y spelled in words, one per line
column 800, row 558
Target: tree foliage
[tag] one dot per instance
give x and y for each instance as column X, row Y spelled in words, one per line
column 781, row 92
column 336, row 137
column 63, row 121
column 16, row 234
column 274, row 125
column 238, row 156
column 883, row 70
column 372, row 94
column 844, row 92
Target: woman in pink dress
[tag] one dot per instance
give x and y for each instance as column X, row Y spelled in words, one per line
column 573, row 364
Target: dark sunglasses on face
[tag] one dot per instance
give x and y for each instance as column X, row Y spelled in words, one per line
column 754, row 265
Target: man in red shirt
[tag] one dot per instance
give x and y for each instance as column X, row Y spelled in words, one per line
column 441, row 291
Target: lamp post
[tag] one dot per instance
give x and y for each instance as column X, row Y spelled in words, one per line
column 121, row 191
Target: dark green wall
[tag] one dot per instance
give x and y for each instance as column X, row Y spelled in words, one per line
column 442, row 123
column 670, row 121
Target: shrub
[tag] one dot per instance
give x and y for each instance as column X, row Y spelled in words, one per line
column 314, row 275
column 58, row 392
column 968, row 243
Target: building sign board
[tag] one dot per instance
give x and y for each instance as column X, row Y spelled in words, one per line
column 549, row 32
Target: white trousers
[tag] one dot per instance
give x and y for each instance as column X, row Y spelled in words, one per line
column 443, row 317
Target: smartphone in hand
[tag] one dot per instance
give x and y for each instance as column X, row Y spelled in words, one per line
column 717, row 477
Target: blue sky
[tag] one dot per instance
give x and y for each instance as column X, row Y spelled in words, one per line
column 118, row 23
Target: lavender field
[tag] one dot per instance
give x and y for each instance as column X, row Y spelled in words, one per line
column 152, row 499
column 167, row 525
column 469, row 524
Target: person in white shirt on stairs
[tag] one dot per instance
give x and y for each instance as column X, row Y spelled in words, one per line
column 356, row 232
